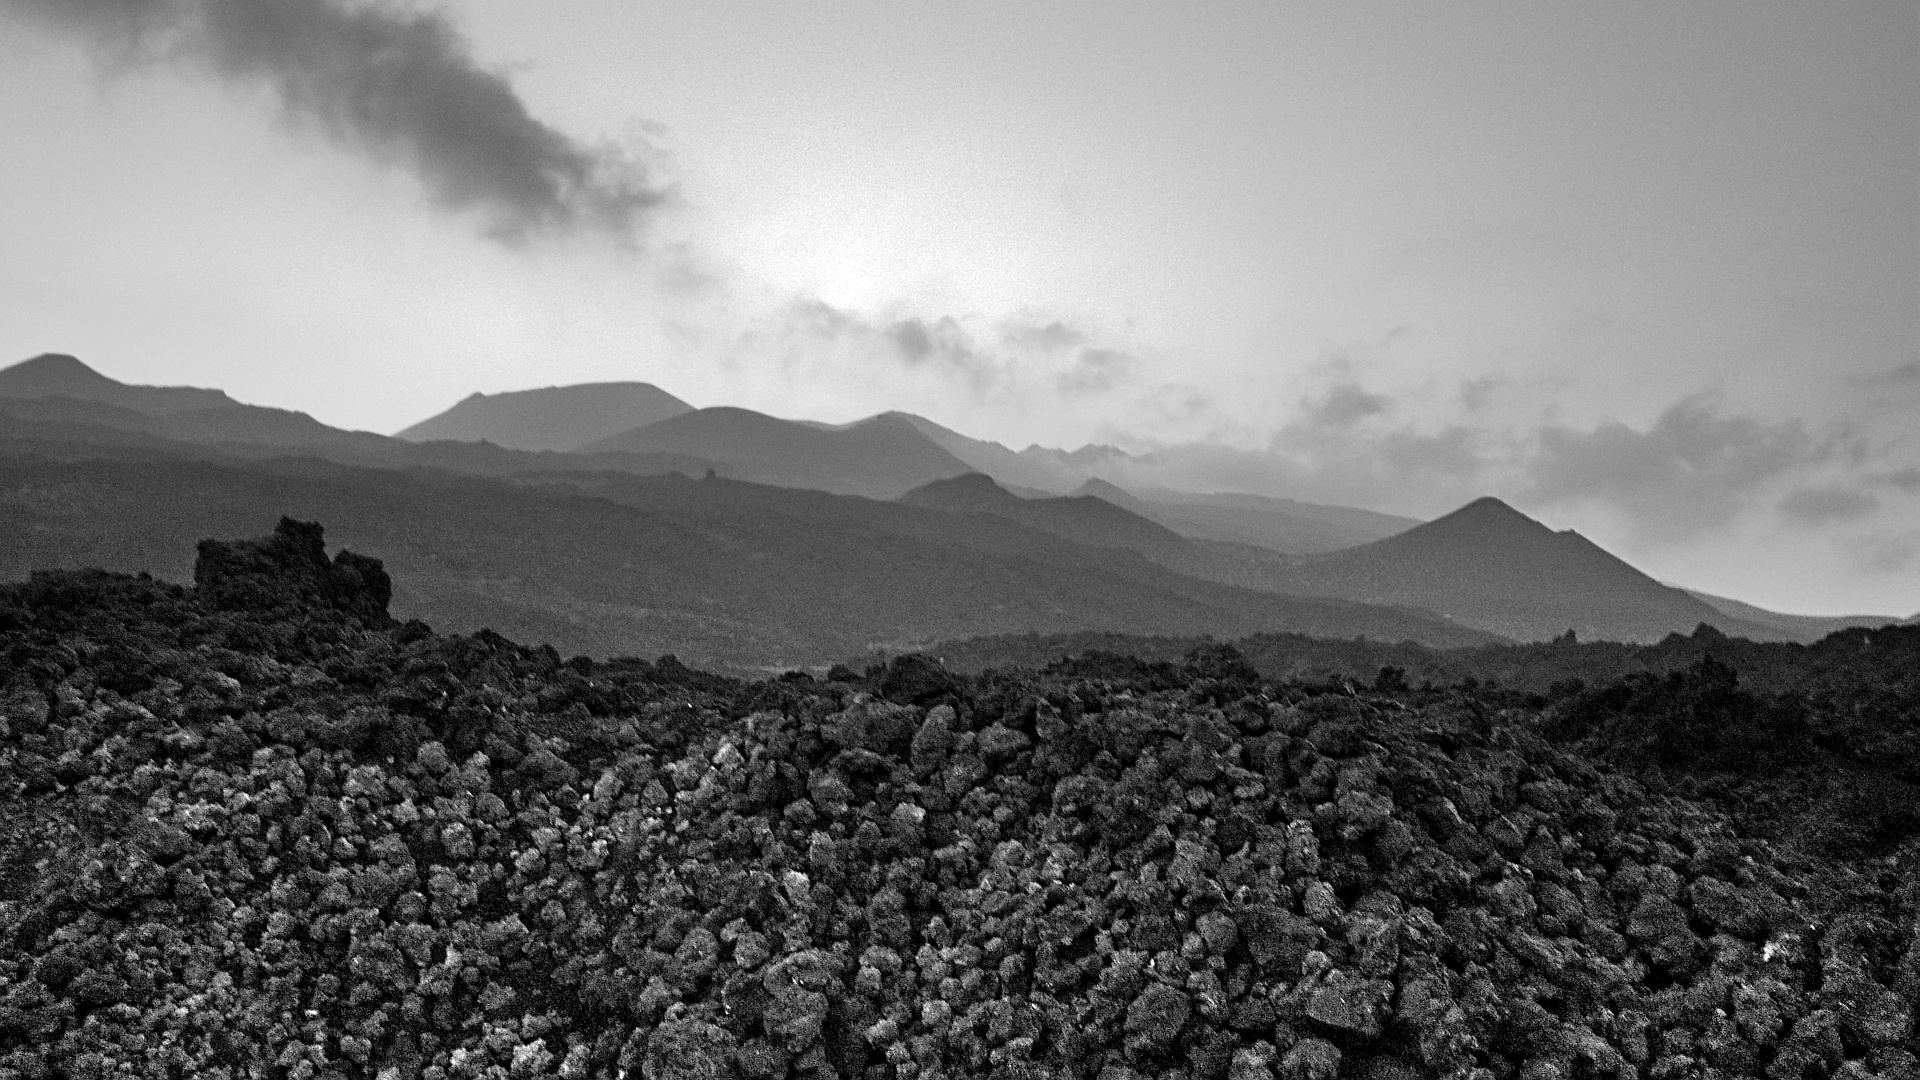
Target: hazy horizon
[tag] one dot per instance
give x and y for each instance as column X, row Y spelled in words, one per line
column 1651, row 273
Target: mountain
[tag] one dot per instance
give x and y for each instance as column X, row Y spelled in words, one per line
column 59, row 375
column 57, row 388
column 56, row 402
column 550, row 418
column 1488, row 565
column 1096, row 522
column 1082, row 519
column 1282, row 525
column 1806, row 628
column 743, row 575
column 1032, row 469
column 882, row 457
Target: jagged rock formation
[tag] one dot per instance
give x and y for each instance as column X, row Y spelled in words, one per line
column 245, row 838
column 289, row 570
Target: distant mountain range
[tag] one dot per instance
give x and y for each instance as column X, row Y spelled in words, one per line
column 539, row 513
column 1485, row 566
column 734, row 575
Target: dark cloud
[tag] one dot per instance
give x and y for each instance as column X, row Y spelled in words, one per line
column 1885, row 552
column 1821, row 505
column 1905, row 373
column 1690, row 473
column 944, row 343
column 1907, row 480
column 1096, row 370
column 1051, row 337
column 1478, row 393
column 398, row 85
column 913, row 340
column 1344, row 405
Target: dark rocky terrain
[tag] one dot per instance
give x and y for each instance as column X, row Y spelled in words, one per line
column 258, row 827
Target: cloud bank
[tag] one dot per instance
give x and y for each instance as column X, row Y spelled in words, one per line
column 1690, row 473
column 397, row 85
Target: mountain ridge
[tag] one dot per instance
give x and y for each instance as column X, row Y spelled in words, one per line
column 549, row 417
column 881, row 457
column 63, row 375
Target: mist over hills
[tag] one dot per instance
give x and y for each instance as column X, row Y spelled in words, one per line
column 550, row 418
column 799, row 562
column 1284, row 525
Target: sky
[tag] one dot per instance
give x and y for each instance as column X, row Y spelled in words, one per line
column 1649, row 271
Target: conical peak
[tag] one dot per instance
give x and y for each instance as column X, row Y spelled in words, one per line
column 1488, row 512
column 1488, row 506
column 52, row 361
column 53, row 368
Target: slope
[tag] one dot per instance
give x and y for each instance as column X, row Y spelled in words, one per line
column 881, row 457
column 723, row 572
column 1082, row 519
column 1282, row 525
column 60, row 375
column 550, row 418
column 60, row 389
column 1805, row 628
column 63, row 403
column 1488, row 565
column 1086, row 519
column 1029, row 470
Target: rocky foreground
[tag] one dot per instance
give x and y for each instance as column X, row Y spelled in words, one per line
column 257, row 828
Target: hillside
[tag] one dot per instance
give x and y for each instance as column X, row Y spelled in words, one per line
column 56, row 389
column 59, row 375
column 882, row 457
column 1009, row 467
column 740, row 575
column 1283, row 525
column 1488, row 565
column 1797, row 627
column 1094, row 521
column 550, row 418
column 1082, row 519
column 259, row 827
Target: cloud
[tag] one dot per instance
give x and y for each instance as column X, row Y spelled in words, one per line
column 1907, row 373
column 1051, row 337
column 1812, row 506
column 400, row 86
column 1344, row 405
column 1689, row 474
column 1097, row 370
column 1885, row 552
column 1020, row 359
column 1476, row 394
column 1907, row 480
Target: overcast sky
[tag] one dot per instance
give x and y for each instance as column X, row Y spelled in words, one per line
column 1651, row 271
